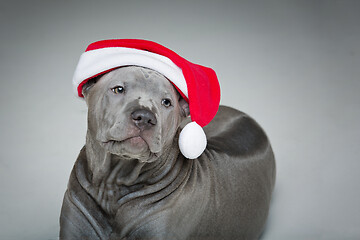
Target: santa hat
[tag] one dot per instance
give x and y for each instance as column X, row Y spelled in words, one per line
column 197, row 84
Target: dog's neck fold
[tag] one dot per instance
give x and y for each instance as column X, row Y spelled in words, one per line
column 109, row 169
column 108, row 178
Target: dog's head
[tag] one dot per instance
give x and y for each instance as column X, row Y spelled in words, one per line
column 134, row 112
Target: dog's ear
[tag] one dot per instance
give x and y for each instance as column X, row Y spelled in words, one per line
column 88, row 85
column 185, row 111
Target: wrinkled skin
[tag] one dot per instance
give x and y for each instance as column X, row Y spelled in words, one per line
column 131, row 182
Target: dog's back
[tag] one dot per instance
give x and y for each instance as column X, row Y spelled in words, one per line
column 241, row 169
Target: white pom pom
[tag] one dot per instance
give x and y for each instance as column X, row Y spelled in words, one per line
column 192, row 140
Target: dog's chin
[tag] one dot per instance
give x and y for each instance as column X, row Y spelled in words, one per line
column 131, row 148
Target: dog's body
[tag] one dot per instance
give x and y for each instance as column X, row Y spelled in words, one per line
column 130, row 180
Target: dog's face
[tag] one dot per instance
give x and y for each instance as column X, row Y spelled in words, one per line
column 134, row 112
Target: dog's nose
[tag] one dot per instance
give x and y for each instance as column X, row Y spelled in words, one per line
column 143, row 119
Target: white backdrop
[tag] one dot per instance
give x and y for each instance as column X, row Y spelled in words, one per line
column 292, row 65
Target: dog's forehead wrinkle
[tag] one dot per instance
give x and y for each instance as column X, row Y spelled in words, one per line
column 135, row 73
column 149, row 73
column 114, row 76
column 147, row 81
column 123, row 76
column 146, row 73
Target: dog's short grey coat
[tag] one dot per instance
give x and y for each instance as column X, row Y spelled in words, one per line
column 131, row 182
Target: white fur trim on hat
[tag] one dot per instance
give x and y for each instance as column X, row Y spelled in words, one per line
column 96, row 61
column 192, row 140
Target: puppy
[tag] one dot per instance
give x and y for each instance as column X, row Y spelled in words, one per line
column 131, row 181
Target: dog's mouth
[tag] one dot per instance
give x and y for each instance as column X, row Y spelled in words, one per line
column 133, row 140
column 133, row 146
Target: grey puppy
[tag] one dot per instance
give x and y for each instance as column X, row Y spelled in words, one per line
column 130, row 180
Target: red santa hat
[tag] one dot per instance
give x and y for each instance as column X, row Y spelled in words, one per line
column 197, row 84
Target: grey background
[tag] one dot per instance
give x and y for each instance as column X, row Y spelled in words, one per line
column 292, row 65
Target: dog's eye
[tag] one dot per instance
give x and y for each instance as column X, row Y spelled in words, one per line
column 118, row 89
column 166, row 102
